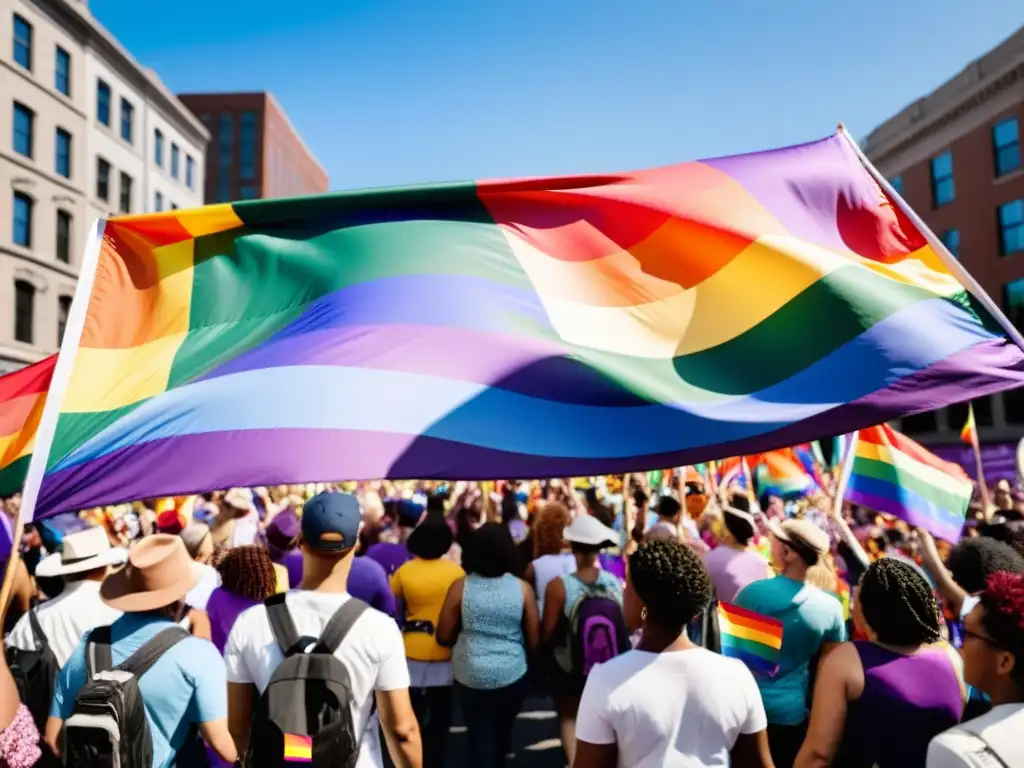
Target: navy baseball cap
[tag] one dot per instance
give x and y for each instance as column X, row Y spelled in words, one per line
column 330, row 521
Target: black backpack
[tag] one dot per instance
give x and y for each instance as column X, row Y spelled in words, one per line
column 108, row 727
column 305, row 713
column 34, row 673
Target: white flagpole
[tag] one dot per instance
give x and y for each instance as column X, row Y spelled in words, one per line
column 61, row 373
column 844, row 473
column 936, row 244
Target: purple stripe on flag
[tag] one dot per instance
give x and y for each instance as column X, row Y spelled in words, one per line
column 914, row 517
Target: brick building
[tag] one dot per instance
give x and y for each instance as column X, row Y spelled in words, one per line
column 254, row 150
column 955, row 156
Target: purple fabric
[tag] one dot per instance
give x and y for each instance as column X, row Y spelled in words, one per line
column 223, row 608
column 999, row 459
column 614, row 564
column 390, row 555
column 292, row 561
column 369, row 582
column 918, row 695
column 732, row 569
column 185, row 464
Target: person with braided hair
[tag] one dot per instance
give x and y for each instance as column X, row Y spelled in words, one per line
column 903, row 676
column 993, row 652
column 669, row 702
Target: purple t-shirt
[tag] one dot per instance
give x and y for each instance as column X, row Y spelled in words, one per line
column 614, row 564
column 292, row 562
column 223, row 608
column 733, row 569
column 390, row 555
column 368, row 582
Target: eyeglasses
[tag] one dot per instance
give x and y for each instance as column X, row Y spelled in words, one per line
column 987, row 640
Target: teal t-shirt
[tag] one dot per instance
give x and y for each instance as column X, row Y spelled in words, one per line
column 809, row 618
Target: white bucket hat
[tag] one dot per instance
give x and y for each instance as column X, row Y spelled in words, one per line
column 82, row 551
column 587, row 529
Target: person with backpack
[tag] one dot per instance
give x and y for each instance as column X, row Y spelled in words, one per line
column 583, row 620
column 306, row 669
column 137, row 693
column 45, row 637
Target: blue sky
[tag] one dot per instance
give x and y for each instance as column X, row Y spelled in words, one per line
column 404, row 91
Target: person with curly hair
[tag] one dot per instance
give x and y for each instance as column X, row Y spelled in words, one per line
column 550, row 558
column 669, row 702
column 993, row 654
column 904, row 673
column 247, row 577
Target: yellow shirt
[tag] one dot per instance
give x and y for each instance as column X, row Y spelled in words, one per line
column 422, row 585
column 282, row 578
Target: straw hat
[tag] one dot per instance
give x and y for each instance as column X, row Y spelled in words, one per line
column 82, row 551
column 159, row 573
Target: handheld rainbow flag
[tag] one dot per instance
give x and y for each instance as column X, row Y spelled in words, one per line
column 893, row 474
column 754, row 639
column 781, row 473
column 547, row 327
column 22, row 396
column 298, row 748
column 969, row 434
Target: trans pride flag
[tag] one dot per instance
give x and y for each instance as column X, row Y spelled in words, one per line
column 560, row 327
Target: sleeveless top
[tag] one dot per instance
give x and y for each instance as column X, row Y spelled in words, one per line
column 910, row 698
column 490, row 651
column 575, row 588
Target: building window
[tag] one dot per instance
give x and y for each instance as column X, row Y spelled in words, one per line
column 1006, row 145
column 247, row 146
column 22, row 42
column 158, row 147
column 190, row 171
column 175, row 161
column 897, row 183
column 1011, row 227
column 248, row 192
column 1013, row 302
column 64, row 237
column 102, row 179
column 22, row 220
column 127, row 120
column 951, row 239
column 62, row 162
column 62, row 71
column 126, row 193
column 103, row 102
column 158, row 201
column 24, row 119
column 24, row 310
column 63, row 310
column 943, row 189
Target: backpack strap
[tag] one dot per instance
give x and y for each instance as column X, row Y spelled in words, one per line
column 143, row 659
column 98, row 657
column 281, row 624
column 38, row 636
column 341, row 622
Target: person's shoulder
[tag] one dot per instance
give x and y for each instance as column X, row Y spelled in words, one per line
column 956, row 748
column 370, row 565
column 199, row 654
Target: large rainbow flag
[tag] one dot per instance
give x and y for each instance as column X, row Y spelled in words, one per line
column 893, row 474
column 536, row 327
column 22, row 396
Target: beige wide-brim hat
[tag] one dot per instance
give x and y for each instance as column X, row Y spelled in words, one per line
column 159, row 573
column 801, row 534
column 82, row 551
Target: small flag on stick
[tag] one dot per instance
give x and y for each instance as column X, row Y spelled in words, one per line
column 754, row 639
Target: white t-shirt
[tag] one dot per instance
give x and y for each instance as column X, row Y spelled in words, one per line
column 960, row 748
column 683, row 709
column 372, row 651
column 65, row 620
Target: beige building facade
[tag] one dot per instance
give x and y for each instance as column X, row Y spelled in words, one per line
column 85, row 130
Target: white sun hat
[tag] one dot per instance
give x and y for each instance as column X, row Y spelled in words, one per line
column 82, row 551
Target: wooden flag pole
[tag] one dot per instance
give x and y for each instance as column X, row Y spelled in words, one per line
column 12, row 565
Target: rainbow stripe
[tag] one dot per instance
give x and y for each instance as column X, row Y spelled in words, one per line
column 754, row 639
column 297, row 748
column 781, row 473
column 969, row 433
column 22, row 396
column 893, row 474
column 539, row 327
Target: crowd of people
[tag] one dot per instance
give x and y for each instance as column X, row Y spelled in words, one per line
column 343, row 624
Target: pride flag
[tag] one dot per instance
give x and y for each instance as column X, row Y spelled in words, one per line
column 22, row 396
column 893, row 474
column 781, row 473
column 298, row 748
column 969, row 433
column 561, row 327
column 754, row 639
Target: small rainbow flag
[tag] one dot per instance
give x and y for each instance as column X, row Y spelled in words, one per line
column 969, row 434
column 754, row 639
column 893, row 474
column 22, row 396
column 781, row 473
column 298, row 748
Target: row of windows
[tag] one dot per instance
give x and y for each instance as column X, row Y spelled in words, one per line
column 247, row 148
column 25, row 311
column 22, row 45
column 1010, row 220
column 175, row 169
column 23, row 226
column 25, row 142
column 104, row 111
column 1006, row 155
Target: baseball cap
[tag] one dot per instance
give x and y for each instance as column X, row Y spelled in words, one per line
column 330, row 521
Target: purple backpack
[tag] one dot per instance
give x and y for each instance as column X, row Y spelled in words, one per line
column 596, row 632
